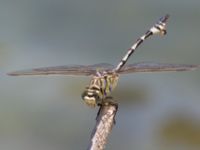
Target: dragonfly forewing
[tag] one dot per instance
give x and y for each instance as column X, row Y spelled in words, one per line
column 156, row 67
column 79, row 70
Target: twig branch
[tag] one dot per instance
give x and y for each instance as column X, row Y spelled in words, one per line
column 104, row 123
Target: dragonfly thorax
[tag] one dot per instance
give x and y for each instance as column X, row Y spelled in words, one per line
column 99, row 88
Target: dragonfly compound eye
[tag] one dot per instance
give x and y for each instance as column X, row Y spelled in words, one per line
column 90, row 98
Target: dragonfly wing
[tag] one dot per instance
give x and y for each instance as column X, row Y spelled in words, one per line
column 102, row 67
column 81, row 70
column 156, row 67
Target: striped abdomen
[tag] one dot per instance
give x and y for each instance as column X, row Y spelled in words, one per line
column 99, row 88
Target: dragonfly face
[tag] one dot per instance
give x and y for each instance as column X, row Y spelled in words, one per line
column 99, row 88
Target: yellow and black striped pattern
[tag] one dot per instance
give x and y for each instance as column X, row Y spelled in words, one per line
column 99, row 88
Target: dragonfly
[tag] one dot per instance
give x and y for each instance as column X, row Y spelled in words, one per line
column 105, row 76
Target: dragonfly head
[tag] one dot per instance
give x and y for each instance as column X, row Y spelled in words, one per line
column 91, row 97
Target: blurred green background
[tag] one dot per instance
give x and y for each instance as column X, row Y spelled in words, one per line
column 156, row 111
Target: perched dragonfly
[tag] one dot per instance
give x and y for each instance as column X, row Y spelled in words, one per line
column 105, row 76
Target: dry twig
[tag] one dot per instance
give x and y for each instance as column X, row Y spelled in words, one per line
column 104, row 123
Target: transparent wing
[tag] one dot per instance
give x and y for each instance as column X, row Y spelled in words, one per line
column 102, row 66
column 156, row 67
column 84, row 70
